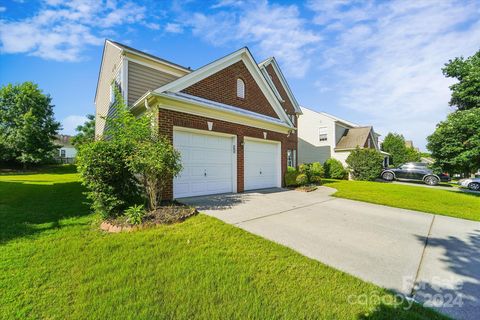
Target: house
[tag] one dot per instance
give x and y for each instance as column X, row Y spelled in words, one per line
column 66, row 151
column 233, row 120
column 322, row 136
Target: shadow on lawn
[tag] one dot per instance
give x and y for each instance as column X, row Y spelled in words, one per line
column 398, row 312
column 26, row 209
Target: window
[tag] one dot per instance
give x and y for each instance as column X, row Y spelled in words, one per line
column 240, row 88
column 292, row 158
column 62, row 153
column 322, row 134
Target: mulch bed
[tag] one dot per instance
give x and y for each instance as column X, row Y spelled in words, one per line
column 166, row 214
column 306, row 188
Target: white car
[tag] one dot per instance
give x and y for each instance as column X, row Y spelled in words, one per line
column 470, row 183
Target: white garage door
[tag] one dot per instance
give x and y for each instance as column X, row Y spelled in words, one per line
column 262, row 165
column 208, row 164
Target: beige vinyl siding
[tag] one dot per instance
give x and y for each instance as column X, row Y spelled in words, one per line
column 111, row 64
column 142, row 79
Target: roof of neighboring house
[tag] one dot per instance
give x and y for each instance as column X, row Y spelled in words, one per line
column 355, row 137
column 427, row 160
column 334, row 118
column 63, row 140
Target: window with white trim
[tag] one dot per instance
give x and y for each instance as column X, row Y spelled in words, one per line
column 292, row 158
column 322, row 134
column 240, row 88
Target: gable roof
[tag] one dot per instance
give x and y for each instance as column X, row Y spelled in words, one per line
column 334, row 118
column 242, row 54
column 355, row 137
column 125, row 48
column 284, row 82
column 147, row 55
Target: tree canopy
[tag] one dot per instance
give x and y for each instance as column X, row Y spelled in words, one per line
column 455, row 144
column 85, row 132
column 466, row 92
column 394, row 144
column 27, row 124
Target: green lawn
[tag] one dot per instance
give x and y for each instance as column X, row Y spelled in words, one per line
column 56, row 264
column 443, row 202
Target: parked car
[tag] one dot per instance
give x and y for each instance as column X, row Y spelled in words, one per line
column 414, row 171
column 470, row 183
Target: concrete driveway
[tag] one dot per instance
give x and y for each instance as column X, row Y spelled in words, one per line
column 431, row 258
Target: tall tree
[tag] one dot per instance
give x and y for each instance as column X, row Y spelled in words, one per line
column 466, row 92
column 27, row 124
column 455, row 144
column 85, row 132
column 394, row 144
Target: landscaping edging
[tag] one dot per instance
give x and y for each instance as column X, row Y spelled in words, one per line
column 179, row 215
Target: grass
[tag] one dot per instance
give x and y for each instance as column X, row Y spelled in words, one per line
column 443, row 202
column 56, row 264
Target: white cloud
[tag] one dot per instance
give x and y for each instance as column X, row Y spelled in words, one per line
column 272, row 29
column 174, row 28
column 60, row 30
column 3, row 9
column 389, row 56
column 71, row 122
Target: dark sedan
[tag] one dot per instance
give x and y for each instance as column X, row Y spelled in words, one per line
column 414, row 171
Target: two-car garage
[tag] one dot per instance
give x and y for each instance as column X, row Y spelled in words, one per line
column 210, row 160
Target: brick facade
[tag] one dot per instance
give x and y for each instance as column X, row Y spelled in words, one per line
column 168, row 119
column 222, row 87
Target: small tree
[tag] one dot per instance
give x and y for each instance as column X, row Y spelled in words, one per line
column 394, row 144
column 111, row 186
column 103, row 165
column 85, row 132
column 334, row 169
column 27, row 125
column 365, row 164
column 157, row 162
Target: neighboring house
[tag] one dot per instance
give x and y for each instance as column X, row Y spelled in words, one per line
column 427, row 160
column 66, row 151
column 322, row 136
column 409, row 144
column 233, row 120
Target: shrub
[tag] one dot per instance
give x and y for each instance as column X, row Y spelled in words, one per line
column 301, row 179
column 365, row 164
column 316, row 172
column 291, row 169
column 291, row 177
column 157, row 162
column 111, row 186
column 334, row 169
column 103, row 164
column 135, row 214
column 313, row 171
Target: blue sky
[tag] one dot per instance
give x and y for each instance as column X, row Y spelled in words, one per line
column 371, row 62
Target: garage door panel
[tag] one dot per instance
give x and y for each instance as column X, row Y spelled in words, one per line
column 261, row 165
column 207, row 161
